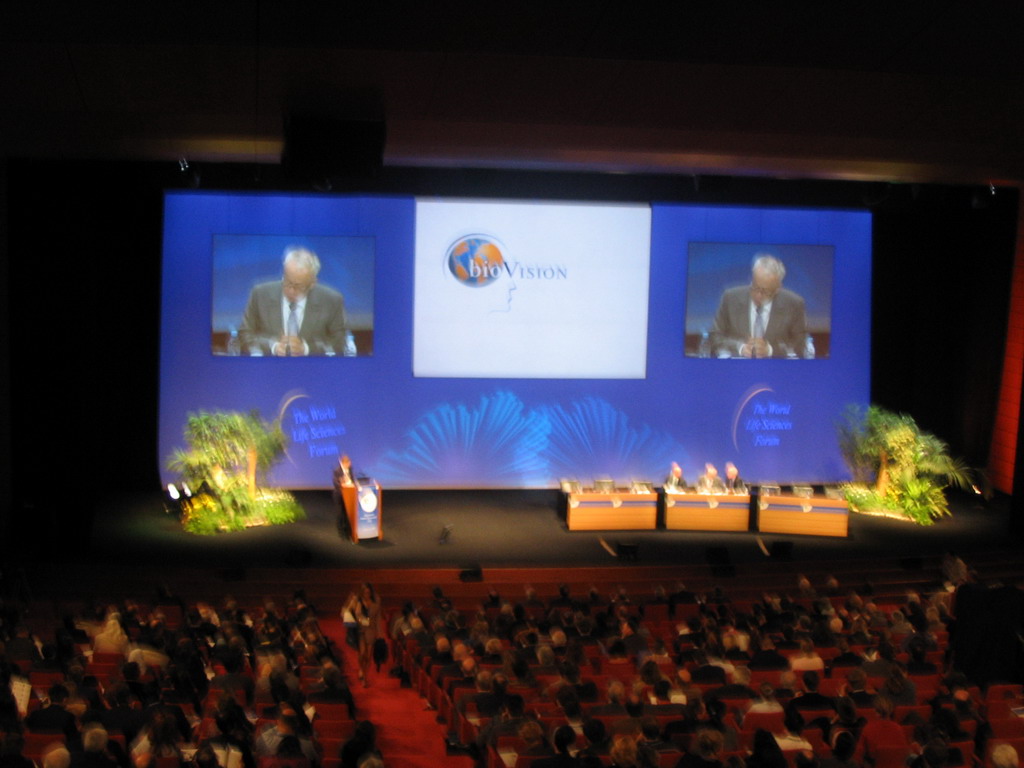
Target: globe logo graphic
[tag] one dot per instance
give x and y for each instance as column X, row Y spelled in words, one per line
column 475, row 260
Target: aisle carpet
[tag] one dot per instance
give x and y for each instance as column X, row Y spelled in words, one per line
column 407, row 734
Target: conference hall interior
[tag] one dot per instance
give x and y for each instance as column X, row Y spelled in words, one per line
column 886, row 140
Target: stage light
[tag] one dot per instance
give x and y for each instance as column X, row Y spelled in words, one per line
column 186, row 490
column 173, row 502
column 191, row 174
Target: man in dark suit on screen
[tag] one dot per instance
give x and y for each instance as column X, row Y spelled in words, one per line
column 762, row 319
column 294, row 316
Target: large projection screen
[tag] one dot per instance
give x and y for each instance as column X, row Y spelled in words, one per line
column 408, row 420
column 528, row 290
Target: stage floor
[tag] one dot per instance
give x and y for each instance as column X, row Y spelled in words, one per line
column 514, row 528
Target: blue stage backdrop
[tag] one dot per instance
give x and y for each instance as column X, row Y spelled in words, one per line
column 510, row 347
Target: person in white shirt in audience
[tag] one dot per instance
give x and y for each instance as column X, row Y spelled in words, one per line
column 765, row 701
column 807, row 659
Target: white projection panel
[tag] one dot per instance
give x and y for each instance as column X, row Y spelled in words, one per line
column 531, row 290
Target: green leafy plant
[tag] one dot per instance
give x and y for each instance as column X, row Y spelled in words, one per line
column 283, row 509
column 922, row 500
column 896, row 466
column 204, row 516
column 227, row 458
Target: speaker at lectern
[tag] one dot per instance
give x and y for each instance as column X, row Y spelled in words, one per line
column 363, row 504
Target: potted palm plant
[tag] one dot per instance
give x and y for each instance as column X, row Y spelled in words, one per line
column 897, row 468
column 227, row 458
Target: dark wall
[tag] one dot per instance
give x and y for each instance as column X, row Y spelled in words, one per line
column 986, row 637
column 85, row 295
column 84, row 276
column 5, row 365
column 941, row 288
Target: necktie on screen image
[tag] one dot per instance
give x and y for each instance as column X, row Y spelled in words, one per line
column 293, row 324
column 759, row 324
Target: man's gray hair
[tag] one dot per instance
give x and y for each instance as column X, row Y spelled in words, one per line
column 58, row 757
column 302, row 258
column 1004, row 756
column 616, row 691
column 94, row 739
column 768, row 263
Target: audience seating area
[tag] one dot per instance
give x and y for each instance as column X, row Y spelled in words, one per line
column 640, row 664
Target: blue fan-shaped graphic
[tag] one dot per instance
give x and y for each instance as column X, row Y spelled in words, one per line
column 590, row 438
column 498, row 443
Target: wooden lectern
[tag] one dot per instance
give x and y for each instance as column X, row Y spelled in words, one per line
column 363, row 502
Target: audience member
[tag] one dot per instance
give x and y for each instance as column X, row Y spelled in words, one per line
column 54, row 718
column 158, row 739
column 766, row 752
column 11, row 745
column 882, row 731
column 704, row 752
column 57, row 757
column 1004, row 756
column 624, row 753
column 286, row 724
column 843, row 746
column 363, row 743
column 563, row 740
column 94, row 750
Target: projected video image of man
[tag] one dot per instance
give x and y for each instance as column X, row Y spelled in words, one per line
column 292, row 295
column 762, row 319
column 759, row 301
column 294, row 316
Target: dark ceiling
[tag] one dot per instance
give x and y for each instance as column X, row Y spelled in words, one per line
column 913, row 91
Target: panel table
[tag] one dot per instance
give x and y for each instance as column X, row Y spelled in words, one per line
column 814, row 516
column 706, row 512
column 619, row 510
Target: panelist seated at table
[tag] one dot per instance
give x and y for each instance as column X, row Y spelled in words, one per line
column 710, row 482
column 733, row 482
column 675, row 482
